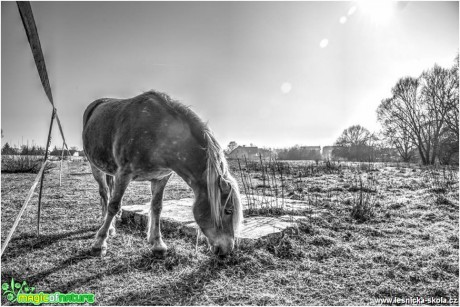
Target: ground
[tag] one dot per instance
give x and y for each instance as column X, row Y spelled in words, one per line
column 407, row 248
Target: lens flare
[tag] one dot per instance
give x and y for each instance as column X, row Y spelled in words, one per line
column 286, row 87
column 324, row 42
column 352, row 10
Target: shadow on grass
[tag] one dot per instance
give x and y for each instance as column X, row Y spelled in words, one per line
column 172, row 286
column 180, row 278
column 61, row 266
column 185, row 289
column 25, row 242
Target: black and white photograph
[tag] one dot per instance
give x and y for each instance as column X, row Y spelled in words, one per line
column 268, row 153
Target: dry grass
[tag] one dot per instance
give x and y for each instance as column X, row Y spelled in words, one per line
column 408, row 248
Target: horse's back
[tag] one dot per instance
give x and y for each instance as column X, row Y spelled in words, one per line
column 145, row 133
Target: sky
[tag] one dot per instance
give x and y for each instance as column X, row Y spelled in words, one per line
column 272, row 74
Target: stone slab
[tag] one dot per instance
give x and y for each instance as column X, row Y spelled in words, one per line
column 175, row 211
column 180, row 211
column 261, row 201
column 256, row 227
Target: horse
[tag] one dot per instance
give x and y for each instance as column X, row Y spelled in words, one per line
column 147, row 138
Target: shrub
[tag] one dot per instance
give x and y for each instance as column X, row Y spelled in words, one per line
column 24, row 164
column 363, row 205
column 441, row 180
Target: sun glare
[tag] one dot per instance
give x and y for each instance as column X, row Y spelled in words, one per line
column 379, row 12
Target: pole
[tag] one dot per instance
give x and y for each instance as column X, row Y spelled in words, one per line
column 43, row 173
column 27, row 16
column 24, row 206
column 62, row 158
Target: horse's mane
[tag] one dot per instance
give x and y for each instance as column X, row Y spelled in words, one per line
column 217, row 167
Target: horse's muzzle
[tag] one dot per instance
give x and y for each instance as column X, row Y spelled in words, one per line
column 221, row 251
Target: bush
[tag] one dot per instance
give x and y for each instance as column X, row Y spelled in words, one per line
column 363, row 205
column 23, row 164
column 362, row 210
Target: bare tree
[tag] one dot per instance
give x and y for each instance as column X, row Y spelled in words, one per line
column 231, row 146
column 449, row 144
column 356, row 144
column 406, row 114
column 354, row 135
column 439, row 96
column 421, row 111
column 399, row 128
column 452, row 119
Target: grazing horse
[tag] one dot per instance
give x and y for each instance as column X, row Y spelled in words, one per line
column 146, row 138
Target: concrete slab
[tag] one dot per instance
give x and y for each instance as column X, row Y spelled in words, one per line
column 180, row 212
column 262, row 201
column 256, row 227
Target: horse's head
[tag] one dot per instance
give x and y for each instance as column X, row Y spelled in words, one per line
column 219, row 214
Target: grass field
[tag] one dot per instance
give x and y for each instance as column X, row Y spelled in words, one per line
column 408, row 248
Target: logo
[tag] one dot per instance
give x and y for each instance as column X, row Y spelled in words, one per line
column 22, row 293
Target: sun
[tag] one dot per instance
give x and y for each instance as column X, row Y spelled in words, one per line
column 379, row 12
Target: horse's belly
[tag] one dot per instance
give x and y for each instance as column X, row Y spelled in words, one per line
column 150, row 175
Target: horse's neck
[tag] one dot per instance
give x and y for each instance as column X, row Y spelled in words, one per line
column 193, row 174
column 191, row 166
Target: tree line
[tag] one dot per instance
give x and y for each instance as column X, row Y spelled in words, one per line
column 419, row 120
column 298, row 153
column 25, row 150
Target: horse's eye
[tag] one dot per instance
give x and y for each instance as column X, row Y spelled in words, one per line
column 228, row 211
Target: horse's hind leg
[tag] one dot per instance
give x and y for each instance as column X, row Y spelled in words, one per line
column 103, row 188
column 105, row 183
column 121, row 183
column 110, row 180
column 154, row 233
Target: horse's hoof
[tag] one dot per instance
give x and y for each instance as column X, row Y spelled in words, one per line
column 160, row 253
column 98, row 251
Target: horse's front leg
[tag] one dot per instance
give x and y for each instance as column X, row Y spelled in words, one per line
column 122, row 180
column 154, row 232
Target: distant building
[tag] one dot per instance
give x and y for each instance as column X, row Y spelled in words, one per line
column 250, row 152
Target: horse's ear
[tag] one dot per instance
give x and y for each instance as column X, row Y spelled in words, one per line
column 225, row 186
